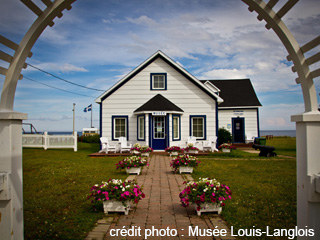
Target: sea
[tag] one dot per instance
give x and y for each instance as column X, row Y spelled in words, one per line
column 275, row 133
column 278, row 133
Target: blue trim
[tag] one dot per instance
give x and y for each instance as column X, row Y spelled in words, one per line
column 165, row 81
column 217, row 124
column 205, row 125
column 144, row 127
column 150, row 130
column 112, row 126
column 167, row 132
column 100, row 123
column 179, row 130
column 258, row 122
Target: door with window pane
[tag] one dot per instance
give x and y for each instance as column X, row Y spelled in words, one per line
column 159, row 132
column 238, row 130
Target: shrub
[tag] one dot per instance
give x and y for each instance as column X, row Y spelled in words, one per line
column 224, row 136
column 90, row 139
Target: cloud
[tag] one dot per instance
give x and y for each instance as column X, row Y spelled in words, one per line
column 142, row 20
column 56, row 67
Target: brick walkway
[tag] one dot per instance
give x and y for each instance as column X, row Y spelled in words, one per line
column 160, row 209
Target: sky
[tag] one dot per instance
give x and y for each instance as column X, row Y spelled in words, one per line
column 97, row 43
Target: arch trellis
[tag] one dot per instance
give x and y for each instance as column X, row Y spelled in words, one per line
column 54, row 9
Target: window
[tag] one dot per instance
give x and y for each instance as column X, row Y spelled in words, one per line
column 176, row 127
column 141, row 128
column 198, row 126
column 158, row 81
column 119, row 127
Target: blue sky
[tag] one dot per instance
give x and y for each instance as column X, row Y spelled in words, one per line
column 97, row 42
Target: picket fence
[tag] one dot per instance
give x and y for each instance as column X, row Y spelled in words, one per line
column 50, row 141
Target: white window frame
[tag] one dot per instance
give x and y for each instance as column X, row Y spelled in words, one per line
column 139, row 137
column 114, row 118
column 203, row 117
column 164, row 76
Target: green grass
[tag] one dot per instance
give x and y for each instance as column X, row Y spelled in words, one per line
column 284, row 145
column 264, row 189
column 55, row 186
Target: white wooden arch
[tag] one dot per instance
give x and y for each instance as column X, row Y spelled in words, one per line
column 308, row 124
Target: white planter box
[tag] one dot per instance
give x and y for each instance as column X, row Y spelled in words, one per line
column 135, row 152
column 173, row 154
column 208, row 207
column 193, row 151
column 134, row 170
column 226, row 150
column 183, row 169
column 116, row 206
column 145, row 154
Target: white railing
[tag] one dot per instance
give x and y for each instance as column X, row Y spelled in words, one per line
column 50, row 141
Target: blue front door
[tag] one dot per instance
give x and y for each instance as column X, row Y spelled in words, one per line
column 238, row 130
column 159, row 132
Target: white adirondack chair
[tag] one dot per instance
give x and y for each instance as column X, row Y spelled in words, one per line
column 193, row 140
column 124, row 146
column 249, row 138
column 106, row 146
column 210, row 144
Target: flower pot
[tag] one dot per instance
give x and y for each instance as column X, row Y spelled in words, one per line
column 193, row 151
column 208, row 207
column 116, row 206
column 226, row 150
column 173, row 154
column 135, row 152
column 185, row 169
column 134, row 170
column 145, row 154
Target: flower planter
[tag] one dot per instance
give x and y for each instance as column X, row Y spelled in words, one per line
column 116, row 206
column 183, row 169
column 173, row 154
column 193, row 151
column 133, row 170
column 226, row 150
column 208, row 207
column 135, row 152
column 145, row 154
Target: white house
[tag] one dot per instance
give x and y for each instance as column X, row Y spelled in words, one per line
column 160, row 104
column 239, row 112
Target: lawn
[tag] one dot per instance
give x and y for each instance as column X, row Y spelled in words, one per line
column 264, row 189
column 56, row 183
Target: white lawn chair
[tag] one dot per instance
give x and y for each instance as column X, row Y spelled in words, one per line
column 194, row 142
column 249, row 138
column 106, row 146
column 210, row 145
column 124, row 146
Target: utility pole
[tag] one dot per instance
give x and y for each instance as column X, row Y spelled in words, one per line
column 74, row 113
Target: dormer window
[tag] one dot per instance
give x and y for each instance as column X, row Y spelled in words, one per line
column 158, row 81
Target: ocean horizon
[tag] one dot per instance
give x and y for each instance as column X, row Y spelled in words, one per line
column 275, row 133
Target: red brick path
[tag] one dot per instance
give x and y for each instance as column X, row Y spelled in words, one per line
column 161, row 208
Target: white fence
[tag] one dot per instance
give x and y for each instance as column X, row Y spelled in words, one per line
column 50, row 141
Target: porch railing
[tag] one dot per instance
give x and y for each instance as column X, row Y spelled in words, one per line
column 50, row 141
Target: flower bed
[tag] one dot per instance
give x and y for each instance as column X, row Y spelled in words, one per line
column 205, row 190
column 184, row 161
column 116, row 190
column 174, row 150
column 227, row 146
column 132, row 162
column 191, row 149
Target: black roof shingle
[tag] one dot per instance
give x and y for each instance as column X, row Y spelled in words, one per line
column 236, row 93
column 159, row 103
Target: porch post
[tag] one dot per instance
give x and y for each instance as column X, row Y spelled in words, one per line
column 11, row 197
column 308, row 172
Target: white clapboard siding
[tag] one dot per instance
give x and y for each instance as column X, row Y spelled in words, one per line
column 134, row 93
column 250, row 122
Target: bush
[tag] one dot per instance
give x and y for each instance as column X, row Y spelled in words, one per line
column 90, row 139
column 224, row 136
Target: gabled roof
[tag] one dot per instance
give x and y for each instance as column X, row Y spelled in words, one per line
column 236, row 93
column 143, row 65
column 159, row 103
